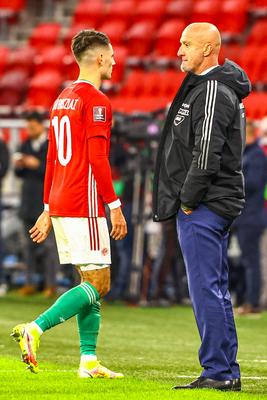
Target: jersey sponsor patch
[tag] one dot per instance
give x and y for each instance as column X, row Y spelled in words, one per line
column 99, row 114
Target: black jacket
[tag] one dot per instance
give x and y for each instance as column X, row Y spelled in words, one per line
column 200, row 153
column 32, row 204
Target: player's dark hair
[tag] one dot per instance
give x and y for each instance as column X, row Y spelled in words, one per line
column 88, row 39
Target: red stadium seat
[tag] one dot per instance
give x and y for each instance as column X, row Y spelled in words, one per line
column 139, row 38
column 179, row 9
column 206, row 11
column 249, row 57
column 256, row 105
column 134, row 84
column 258, row 3
column 147, row 91
column 150, row 83
column 232, row 51
column 144, row 1
column 254, row 62
column 52, row 58
column 115, row 30
column 120, row 54
column 44, row 88
column 258, row 6
column 233, row 17
column 22, row 58
column 152, row 10
column 4, row 54
column 13, row 5
column 170, row 82
column 122, row 10
column 45, row 35
column 90, row 11
column 258, row 33
column 71, row 68
column 167, row 39
column 13, row 86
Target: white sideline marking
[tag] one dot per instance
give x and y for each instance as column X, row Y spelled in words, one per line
column 255, row 378
column 255, row 361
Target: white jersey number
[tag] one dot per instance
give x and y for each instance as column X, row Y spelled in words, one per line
column 62, row 128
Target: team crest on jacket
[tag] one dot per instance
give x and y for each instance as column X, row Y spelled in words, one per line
column 99, row 113
column 178, row 119
column 182, row 113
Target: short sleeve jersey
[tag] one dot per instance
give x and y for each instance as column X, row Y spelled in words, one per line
column 79, row 113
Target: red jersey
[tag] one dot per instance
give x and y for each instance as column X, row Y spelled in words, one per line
column 78, row 176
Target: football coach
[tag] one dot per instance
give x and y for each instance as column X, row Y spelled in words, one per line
column 198, row 179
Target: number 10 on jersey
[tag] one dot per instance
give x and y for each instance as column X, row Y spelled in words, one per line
column 61, row 128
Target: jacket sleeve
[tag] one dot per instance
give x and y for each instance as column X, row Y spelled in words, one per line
column 42, row 167
column 212, row 112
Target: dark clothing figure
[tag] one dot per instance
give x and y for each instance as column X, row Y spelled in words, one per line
column 41, row 259
column 33, row 180
column 4, row 163
column 199, row 169
column 168, row 263
column 253, row 220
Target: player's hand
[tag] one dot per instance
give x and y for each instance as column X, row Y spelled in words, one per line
column 42, row 227
column 119, row 226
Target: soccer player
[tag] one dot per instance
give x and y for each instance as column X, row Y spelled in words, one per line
column 77, row 185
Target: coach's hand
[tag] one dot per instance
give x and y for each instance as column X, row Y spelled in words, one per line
column 119, row 226
column 42, row 227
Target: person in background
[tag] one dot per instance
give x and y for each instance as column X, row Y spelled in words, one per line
column 29, row 165
column 262, row 134
column 4, row 163
column 251, row 223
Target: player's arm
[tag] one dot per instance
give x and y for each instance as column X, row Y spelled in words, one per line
column 43, row 225
column 98, row 159
column 212, row 113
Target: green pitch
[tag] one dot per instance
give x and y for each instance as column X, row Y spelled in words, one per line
column 154, row 348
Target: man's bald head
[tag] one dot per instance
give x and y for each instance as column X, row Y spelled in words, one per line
column 200, row 47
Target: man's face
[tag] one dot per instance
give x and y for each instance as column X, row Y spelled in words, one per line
column 34, row 128
column 191, row 52
column 108, row 62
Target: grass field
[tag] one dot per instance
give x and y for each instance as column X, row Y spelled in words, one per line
column 154, row 348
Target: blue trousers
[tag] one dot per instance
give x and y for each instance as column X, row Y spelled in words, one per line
column 249, row 237
column 203, row 237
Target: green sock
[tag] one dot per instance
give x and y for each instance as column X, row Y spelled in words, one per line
column 88, row 324
column 68, row 305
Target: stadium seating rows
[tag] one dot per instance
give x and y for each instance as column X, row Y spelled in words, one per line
column 148, row 32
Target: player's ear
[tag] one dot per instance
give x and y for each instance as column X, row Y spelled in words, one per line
column 100, row 59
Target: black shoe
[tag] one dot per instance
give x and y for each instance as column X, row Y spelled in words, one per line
column 207, row 383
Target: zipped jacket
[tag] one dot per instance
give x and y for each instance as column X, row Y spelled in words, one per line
column 200, row 152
